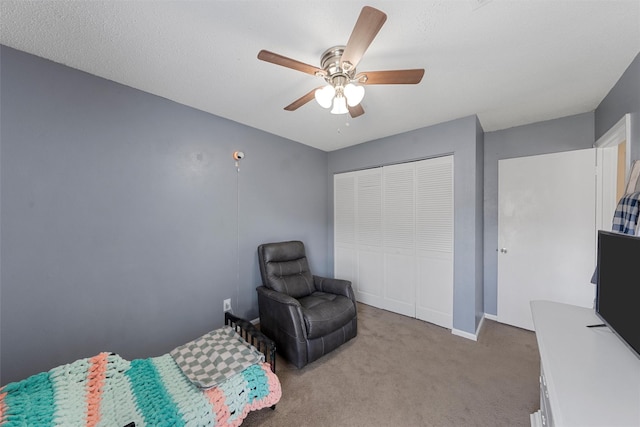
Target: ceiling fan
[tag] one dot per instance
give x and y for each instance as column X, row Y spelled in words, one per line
column 338, row 69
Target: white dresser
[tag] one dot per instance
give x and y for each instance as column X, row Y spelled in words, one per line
column 588, row 376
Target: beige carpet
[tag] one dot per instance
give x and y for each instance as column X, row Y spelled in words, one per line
column 400, row 371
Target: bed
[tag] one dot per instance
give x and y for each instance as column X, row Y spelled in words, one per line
column 215, row 380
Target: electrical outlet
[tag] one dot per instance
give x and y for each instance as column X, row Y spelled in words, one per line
column 226, row 305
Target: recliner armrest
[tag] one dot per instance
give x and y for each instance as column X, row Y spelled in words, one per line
column 334, row 286
column 278, row 297
column 281, row 312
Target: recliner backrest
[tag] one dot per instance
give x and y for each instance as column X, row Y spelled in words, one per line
column 284, row 268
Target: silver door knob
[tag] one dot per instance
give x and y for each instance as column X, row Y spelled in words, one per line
column 503, row 250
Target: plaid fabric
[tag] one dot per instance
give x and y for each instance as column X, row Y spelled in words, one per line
column 625, row 218
column 214, row 357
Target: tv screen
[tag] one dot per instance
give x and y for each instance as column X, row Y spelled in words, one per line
column 618, row 289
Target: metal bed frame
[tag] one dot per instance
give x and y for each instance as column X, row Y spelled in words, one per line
column 253, row 336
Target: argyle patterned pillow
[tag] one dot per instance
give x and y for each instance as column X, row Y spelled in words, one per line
column 216, row 356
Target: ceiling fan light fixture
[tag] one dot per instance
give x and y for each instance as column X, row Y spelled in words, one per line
column 338, row 68
column 354, row 94
column 325, row 95
column 339, row 105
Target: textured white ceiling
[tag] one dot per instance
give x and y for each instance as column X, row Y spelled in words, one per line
column 511, row 62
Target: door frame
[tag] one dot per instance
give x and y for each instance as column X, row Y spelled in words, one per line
column 606, row 194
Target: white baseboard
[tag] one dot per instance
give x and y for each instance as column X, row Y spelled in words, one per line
column 491, row 317
column 255, row 321
column 468, row 335
column 464, row 334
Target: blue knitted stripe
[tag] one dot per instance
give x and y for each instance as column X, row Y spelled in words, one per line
column 192, row 404
column 257, row 383
column 152, row 398
column 29, row 402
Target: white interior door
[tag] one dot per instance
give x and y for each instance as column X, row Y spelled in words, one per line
column 546, row 241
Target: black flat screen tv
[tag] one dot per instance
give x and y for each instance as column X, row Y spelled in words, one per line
column 618, row 287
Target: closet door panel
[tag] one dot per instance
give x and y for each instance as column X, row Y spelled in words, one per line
column 435, row 288
column 345, row 248
column 399, row 238
column 369, row 236
column 344, row 211
column 369, row 208
column 399, row 280
column 434, row 240
column 345, row 264
column 434, row 205
column 370, row 288
column 398, row 222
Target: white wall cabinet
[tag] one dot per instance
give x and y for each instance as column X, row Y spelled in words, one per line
column 393, row 237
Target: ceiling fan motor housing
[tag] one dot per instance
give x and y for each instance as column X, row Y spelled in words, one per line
column 336, row 75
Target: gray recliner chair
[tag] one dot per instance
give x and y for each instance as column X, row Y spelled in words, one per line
column 307, row 316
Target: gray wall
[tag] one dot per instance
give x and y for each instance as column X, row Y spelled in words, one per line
column 479, row 218
column 122, row 214
column 462, row 138
column 623, row 98
column 565, row 134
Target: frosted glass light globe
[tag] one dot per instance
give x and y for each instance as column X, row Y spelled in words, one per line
column 325, row 95
column 354, row 94
column 339, row 105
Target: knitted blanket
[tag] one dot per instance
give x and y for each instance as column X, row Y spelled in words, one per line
column 107, row 390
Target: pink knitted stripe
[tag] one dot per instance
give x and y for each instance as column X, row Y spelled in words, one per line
column 2, row 407
column 275, row 389
column 95, row 381
column 217, row 399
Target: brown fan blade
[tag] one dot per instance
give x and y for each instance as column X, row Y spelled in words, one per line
column 367, row 26
column 302, row 100
column 391, row 77
column 356, row 111
column 274, row 58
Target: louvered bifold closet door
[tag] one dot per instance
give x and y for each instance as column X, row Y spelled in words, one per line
column 344, row 216
column 394, row 237
column 434, row 240
column 370, row 284
column 399, row 239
